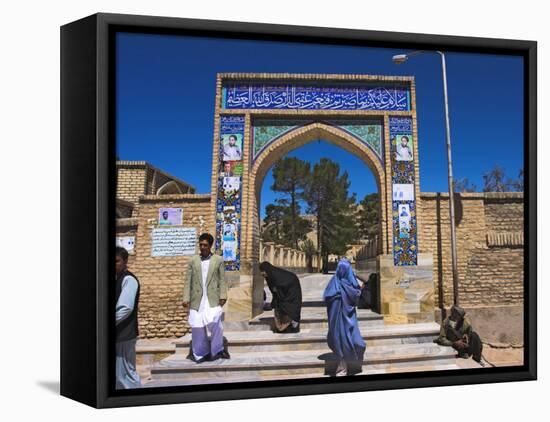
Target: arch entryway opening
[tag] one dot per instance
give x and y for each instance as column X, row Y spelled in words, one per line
column 270, row 155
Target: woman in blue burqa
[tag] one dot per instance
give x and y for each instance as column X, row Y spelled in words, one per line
column 344, row 339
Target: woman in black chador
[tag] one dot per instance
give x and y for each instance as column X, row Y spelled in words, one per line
column 287, row 297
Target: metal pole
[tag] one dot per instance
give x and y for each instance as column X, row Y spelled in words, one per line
column 451, row 183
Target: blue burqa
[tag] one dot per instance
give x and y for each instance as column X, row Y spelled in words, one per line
column 341, row 297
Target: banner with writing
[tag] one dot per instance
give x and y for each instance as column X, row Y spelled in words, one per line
column 173, row 241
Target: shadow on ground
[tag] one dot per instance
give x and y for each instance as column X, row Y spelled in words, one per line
column 51, row 386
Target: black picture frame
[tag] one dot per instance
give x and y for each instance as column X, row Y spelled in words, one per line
column 88, row 209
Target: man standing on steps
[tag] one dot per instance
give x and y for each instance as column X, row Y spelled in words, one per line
column 126, row 317
column 205, row 293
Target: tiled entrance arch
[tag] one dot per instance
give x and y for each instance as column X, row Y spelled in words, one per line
column 334, row 108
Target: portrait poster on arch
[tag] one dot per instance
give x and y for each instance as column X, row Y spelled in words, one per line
column 403, row 147
column 335, row 250
column 232, row 147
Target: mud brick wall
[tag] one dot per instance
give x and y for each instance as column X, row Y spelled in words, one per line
column 131, row 180
column 489, row 228
column 160, row 311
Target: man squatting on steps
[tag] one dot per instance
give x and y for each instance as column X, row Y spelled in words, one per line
column 205, row 293
column 126, row 317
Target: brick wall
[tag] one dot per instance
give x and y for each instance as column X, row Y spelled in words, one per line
column 490, row 271
column 161, row 278
column 136, row 178
column 131, row 182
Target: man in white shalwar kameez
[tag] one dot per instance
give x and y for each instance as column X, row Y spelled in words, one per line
column 126, row 317
column 205, row 293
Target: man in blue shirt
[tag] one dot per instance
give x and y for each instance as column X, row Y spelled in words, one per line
column 126, row 317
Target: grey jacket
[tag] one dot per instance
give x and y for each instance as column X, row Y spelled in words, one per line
column 216, row 287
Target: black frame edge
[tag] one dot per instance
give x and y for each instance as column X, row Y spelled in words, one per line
column 78, row 211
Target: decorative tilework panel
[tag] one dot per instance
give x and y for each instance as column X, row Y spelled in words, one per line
column 405, row 230
column 228, row 202
column 367, row 131
column 366, row 96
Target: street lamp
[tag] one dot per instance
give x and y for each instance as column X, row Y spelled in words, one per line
column 402, row 58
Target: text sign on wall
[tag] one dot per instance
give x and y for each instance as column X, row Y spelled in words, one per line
column 391, row 97
column 173, row 241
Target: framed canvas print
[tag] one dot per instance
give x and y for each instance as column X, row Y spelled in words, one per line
column 253, row 210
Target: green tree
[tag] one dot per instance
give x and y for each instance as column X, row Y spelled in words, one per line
column 309, row 249
column 273, row 223
column 279, row 226
column 290, row 177
column 328, row 199
column 368, row 215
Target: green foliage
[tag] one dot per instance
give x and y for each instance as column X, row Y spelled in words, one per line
column 290, row 178
column 309, row 249
column 280, row 227
column 328, row 199
column 368, row 216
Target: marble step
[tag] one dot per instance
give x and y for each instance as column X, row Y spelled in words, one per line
column 300, row 362
column 238, row 377
column 313, row 317
column 316, row 338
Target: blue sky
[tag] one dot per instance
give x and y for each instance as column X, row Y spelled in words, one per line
column 166, row 88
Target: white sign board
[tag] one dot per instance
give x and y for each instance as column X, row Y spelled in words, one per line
column 403, row 192
column 173, row 241
column 127, row 242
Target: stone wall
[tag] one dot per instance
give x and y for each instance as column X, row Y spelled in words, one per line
column 131, row 182
column 489, row 228
column 488, row 274
column 160, row 312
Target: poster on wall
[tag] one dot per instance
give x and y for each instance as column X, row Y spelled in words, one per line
column 231, row 168
column 231, row 187
column 403, row 147
column 126, row 242
column 403, row 192
column 229, row 249
column 170, row 216
column 173, row 241
column 404, row 221
column 232, row 147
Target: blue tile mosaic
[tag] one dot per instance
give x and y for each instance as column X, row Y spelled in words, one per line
column 228, row 202
column 405, row 230
column 367, row 96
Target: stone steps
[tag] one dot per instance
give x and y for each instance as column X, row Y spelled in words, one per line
column 391, row 358
column 311, row 317
column 235, row 378
column 316, row 338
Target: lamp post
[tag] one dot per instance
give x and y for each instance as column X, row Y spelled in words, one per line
column 399, row 59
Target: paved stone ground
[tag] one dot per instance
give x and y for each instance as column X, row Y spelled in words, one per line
column 499, row 356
